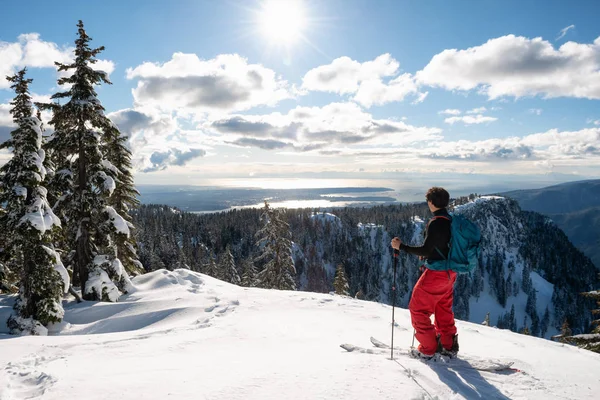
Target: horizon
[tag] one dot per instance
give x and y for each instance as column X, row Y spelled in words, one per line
column 300, row 92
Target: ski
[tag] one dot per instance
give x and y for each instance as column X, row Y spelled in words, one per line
column 438, row 360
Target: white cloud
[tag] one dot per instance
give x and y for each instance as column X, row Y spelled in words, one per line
column 450, row 111
column 470, row 119
column 105, row 65
column 547, row 146
column 564, row 31
column 512, row 66
column 536, row 111
column 40, row 54
column 479, row 110
column 591, row 121
column 305, row 129
column 156, row 139
column 32, row 52
column 364, row 80
column 224, row 84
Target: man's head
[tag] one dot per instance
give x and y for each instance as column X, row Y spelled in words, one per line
column 437, row 197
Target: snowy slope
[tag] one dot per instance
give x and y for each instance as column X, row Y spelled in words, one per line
column 184, row 335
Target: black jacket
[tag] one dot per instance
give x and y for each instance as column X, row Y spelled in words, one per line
column 436, row 235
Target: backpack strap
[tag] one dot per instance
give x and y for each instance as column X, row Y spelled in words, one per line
column 438, row 250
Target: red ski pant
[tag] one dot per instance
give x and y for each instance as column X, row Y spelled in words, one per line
column 433, row 294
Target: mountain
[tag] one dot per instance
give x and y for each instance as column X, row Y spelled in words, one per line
column 530, row 274
column 185, row 335
column 574, row 206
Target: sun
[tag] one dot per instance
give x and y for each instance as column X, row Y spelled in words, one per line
column 282, row 21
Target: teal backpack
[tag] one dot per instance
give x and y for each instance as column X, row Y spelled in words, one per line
column 465, row 238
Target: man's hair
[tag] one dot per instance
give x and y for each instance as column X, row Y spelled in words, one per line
column 438, row 196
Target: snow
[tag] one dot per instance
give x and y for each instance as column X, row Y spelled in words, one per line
column 326, row 217
column 108, row 182
column 110, row 166
column 185, row 335
column 60, row 268
column 20, row 191
column 30, row 327
column 117, row 221
column 39, row 214
column 99, row 281
column 463, row 207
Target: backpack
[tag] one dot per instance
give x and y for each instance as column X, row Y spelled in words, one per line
column 465, row 238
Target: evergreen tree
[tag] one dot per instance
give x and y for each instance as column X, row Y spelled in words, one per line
column 545, row 322
column 124, row 197
column 228, row 268
column 30, row 220
column 86, row 178
column 275, row 252
column 212, row 269
column 590, row 341
column 340, row 283
column 249, row 275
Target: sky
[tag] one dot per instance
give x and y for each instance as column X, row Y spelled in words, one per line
column 284, row 93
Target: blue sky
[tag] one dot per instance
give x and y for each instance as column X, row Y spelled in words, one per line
column 455, row 93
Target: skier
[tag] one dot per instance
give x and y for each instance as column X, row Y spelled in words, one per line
column 433, row 292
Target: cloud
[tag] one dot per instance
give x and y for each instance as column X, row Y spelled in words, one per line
column 305, row 129
column 450, row 111
column 161, row 160
column 551, row 146
column 470, row 119
column 489, row 150
column 591, row 121
column 512, row 66
column 6, row 122
column 479, row 110
column 31, row 51
column 156, row 138
column 148, row 122
column 226, row 83
column 564, row 31
column 364, row 80
column 536, row 111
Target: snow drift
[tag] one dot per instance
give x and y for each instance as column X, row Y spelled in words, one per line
column 185, row 335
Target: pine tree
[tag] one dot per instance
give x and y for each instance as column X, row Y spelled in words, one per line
column 590, row 341
column 212, row 269
column 228, row 268
column 249, row 275
column 86, row 178
column 124, row 197
column 275, row 252
column 30, row 220
column 340, row 283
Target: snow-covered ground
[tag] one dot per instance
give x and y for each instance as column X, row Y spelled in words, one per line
column 183, row 335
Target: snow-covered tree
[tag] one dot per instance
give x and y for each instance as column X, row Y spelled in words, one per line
column 275, row 244
column 86, row 176
column 589, row 341
column 212, row 269
column 124, row 197
column 228, row 268
column 249, row 274
column 30, row 220
column 340, row 283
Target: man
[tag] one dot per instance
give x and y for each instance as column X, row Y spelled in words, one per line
column 433, row 293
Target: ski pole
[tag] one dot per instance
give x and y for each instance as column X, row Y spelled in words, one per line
column 396, row 252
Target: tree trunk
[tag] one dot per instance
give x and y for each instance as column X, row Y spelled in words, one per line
column 83, row 241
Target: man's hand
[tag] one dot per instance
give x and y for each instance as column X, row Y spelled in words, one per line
column 396, row 243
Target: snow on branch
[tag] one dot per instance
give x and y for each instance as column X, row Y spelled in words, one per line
column 117, row 221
